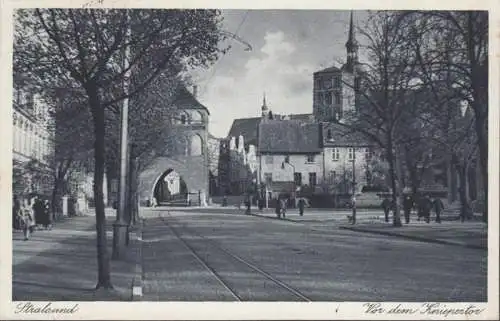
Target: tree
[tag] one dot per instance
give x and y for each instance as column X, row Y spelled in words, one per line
column 456, row 46
column 385, row 89
column 86, row 49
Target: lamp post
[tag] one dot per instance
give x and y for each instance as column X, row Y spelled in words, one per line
column 120, row 226
column 353, row 186
column 287, row 161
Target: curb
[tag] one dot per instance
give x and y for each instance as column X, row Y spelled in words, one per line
column 414, row 238
column 137, row 281
column 273, row 218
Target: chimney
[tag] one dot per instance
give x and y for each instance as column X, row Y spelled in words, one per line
column 195, row 91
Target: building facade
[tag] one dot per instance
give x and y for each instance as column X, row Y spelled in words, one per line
column 32, row 144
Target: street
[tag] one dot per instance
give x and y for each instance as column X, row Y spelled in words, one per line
column 189, row 256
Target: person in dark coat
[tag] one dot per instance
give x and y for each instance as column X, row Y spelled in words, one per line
column 278, row 207
column 425, row 207
column 248, row 204
column 46, row 215
column 38, row 211
column 386, row 205
column 16, row 207
column 301, row 206
column 407, row 206
column 438, row 207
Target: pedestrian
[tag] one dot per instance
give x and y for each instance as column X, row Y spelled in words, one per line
column 47, row 224
column 425, row 207
column 278, row 208
column 438, row 207
column 28, row 219
column 248, row 204
column 283, row 207
column 16, row 207
column 37, row 211
column 260, row 201
column 386, row 205
column 301, row 206
column 407, row 206
column 224, row 201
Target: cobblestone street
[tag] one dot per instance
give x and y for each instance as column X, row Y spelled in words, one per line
column 314, row 264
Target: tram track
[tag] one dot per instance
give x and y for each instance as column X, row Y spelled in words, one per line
column 287, row 292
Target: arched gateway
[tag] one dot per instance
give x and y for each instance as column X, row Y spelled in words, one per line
column 174, row 182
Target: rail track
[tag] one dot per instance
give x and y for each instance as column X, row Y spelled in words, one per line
column 225, row 281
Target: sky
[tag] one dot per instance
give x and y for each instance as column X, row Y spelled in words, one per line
column 287, row 47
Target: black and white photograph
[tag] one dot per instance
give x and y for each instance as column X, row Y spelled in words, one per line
column 181, row 154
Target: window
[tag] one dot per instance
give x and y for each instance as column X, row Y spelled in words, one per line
column 196, row 117
column 337, row 98
column 333, row 177
column 196, row 145
column 338, row 82
column 328, row 98
column 269, row 160
column 310, row 158
column 297, row 178
column 350, row 154
column 268, row 178
column 183, row 119
column 368, row 154
column 312, row 179
column 335, row 154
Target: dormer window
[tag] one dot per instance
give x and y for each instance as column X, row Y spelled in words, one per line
column 329, row 134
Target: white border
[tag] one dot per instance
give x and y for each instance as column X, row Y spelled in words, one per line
column 242, row 311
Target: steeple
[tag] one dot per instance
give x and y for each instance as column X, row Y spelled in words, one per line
column 351, row 46
column 264, row 106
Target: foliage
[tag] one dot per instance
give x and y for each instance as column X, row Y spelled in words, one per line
column 95, row 51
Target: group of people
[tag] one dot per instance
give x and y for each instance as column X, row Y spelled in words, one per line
column 424, row 206
column 29, row 213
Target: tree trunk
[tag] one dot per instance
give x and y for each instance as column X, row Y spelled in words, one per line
column 462, row 176
column 483, row 159
column 104, row 277
column 391, row 157
column 134, row 196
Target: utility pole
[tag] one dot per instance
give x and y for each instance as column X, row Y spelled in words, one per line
column 120, row 225
column 353, row 186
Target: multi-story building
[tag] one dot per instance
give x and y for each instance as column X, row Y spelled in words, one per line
column 32, row 145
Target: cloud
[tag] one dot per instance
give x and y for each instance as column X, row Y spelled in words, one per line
column 278, row 68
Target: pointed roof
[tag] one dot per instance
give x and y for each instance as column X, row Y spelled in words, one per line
column 183, row 99
column 264, row 105
column 351, row 40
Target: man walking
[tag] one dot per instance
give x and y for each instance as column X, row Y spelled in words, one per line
column 407, row 206
column 438, row 207
column 301, row 206
column 386, row 205
column 425, row 207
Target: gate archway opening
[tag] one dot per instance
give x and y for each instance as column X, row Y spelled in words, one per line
column 170, row 189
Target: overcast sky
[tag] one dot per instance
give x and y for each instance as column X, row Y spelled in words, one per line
column 287, row 47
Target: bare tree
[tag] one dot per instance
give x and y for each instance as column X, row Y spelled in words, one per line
column 385, row 86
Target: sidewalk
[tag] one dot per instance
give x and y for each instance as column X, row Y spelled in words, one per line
column 471, row 234
column 61, row 264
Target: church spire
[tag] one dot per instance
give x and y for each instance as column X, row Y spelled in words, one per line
column 264, row 105
column 351, row 46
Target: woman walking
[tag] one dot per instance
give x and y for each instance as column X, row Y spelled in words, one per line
column 27, row 219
